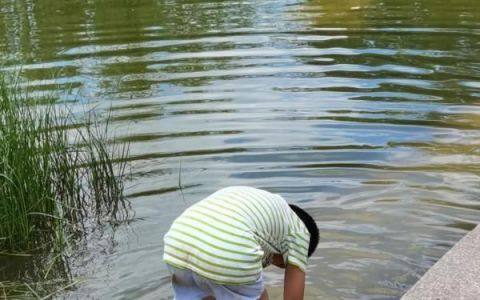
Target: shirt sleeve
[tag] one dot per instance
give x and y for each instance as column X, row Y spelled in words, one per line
column 298, row 242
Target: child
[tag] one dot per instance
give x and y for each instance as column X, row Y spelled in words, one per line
column 218, row 247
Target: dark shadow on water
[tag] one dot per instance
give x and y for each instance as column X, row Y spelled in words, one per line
column 462, row 225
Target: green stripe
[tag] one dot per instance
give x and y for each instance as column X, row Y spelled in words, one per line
column 267, row 208
column 249, row 213
column 201, row 250
column 272, row 216
column 224, row 223
column 213, row 272
column 266, row 220
column 175, row 265
column 209, row 262
column 222, row 212
column 247, row 246
column 279, row 215
column 211, row 245
column 302, row 246
column 266, row 204
column 248, row 203
column 269, row 244
column 301, row 236
column 301, row 231
column 279, row 223
column 297, row 255
column 229, row 206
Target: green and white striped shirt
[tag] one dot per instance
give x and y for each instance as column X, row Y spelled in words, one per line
column 229, row 236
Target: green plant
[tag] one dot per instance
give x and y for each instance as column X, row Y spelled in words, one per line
column 57, row 172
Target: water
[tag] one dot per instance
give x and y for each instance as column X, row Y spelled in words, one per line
column 365, row 112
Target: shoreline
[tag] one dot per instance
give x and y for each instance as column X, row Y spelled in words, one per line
column 455, row 275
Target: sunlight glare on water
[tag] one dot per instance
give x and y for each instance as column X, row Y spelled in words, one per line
column 366, row 112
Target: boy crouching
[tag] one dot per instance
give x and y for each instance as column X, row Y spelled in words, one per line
column 218, row 247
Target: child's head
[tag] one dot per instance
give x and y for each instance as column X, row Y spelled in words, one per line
column 311, row 227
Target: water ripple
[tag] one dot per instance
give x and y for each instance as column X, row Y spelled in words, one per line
column 365, row 112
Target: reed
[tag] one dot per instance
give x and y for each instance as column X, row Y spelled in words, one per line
column 57, row 173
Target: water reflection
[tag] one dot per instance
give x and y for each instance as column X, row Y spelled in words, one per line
column 364, row 111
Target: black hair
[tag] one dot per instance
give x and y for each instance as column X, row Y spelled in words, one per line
column 311, row 227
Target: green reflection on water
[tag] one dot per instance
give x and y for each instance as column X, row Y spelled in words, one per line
column 372, row 103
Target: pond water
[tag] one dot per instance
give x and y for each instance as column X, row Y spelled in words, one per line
column 365, row 112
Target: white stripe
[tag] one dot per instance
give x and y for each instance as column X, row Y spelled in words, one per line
column 225, row 269
column 232, row 224
column 214, row 277
column 194, row 224
column 254, row 252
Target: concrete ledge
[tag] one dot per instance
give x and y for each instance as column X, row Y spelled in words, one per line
column 455, row 276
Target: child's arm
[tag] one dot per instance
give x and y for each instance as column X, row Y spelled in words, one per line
column 294, row 283
column 264, row 295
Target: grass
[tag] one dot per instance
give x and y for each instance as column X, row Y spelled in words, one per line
column 58, row 174
column 25, row 291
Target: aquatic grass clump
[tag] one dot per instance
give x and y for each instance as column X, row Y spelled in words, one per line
column 25, row 291
column 57, row 173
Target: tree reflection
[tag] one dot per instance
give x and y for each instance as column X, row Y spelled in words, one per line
column 114, row 45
